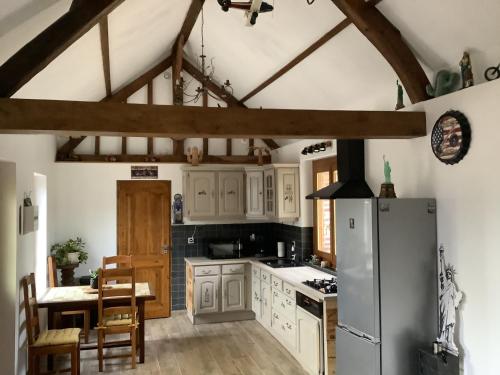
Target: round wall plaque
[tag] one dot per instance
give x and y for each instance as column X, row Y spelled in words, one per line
column 451, row 135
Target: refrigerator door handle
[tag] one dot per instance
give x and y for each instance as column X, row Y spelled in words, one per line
column 359, row 334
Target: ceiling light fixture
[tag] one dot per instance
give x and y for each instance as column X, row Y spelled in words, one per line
column 208, row 73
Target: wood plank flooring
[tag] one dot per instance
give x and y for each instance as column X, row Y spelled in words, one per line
column 175, row 347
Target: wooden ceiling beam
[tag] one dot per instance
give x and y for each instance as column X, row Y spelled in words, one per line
column 104, row 34
column 31, row 116
column 66, row 150
column 230, row 100
column 297, row 60
column 191, row 17
column 122, row 94
column 388, row 41
column 50, row 43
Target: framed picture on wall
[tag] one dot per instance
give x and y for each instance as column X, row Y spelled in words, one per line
column 451, row 136
column 144, row 172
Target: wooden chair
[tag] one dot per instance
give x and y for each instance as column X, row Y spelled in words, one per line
column 118, row 260
column 51, row 261
column 117, row 310
column 52, row 342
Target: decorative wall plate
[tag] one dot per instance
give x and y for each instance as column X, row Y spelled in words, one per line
column 451, row 135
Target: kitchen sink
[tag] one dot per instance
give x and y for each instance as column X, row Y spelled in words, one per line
column 281, row 263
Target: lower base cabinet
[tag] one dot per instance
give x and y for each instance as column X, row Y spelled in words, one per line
column 206, row 294
column 309, row 334
column 233, row 293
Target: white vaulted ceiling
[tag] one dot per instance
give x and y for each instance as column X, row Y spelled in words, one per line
column 346, row 73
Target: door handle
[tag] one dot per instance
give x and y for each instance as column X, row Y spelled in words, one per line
column 165, row 249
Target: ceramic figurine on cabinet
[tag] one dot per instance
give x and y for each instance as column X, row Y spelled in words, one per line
column 194, row 156
column 466, row 69
column 387, row 188
column 446, row 82
column 449, row 300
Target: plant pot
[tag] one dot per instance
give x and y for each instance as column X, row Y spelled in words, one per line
column 68, row 275
column 94, row 282
column 73, row 258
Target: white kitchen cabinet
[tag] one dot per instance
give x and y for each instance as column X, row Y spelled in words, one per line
column 201, row 200
column 255, row 193
column 269, row 193
column 287, row 193
column 256, row 298
column 266, row 307
column 231, row 202
column 309, row 338
column 233, row 293
column 206, row 294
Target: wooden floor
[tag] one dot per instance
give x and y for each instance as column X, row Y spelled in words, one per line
column 175, row 347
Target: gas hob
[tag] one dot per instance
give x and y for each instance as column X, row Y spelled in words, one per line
column 326, row 286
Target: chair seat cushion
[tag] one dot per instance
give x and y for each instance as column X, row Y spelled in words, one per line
column 118, row 320
column 58, row 337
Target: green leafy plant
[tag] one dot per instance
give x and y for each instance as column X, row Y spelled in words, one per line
column 61, row 250
column 94, row 274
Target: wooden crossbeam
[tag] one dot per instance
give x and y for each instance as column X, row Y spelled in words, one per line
column 207, row 159
column 301, row 57
column 225, row 96
column 191, row 17
column 387, row 39
column 31, row 116
column 104, row 34
column 67, row 149
column 50, row 43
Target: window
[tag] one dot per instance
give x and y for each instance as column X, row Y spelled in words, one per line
column 324, row 174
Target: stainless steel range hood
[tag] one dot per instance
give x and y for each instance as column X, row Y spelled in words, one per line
column 351, row 172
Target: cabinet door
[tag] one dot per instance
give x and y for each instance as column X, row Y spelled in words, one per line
column 206, row 294
column 233, row 293
column 265, row 294
column 231, row 201
column 309, row 342
column 288, row 194
column 269, row 193
column 255, row 194
column 201, row 194
column 256, row 298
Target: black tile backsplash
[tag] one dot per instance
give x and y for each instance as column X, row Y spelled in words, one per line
column 267, row 234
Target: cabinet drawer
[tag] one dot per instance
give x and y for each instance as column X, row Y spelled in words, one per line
column 265, row 276
column 284, row 305
column 284, row 328
column 289, row 290
column 277, row 283
column 206, row 270
column 232, row 269
column 256, row 272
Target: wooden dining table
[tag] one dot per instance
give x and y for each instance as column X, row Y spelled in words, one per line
column 72, row 298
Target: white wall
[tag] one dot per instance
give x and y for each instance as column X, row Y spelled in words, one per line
column 468, row 211
column 32, row 154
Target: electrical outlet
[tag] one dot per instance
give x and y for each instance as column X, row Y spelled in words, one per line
column 190, row 240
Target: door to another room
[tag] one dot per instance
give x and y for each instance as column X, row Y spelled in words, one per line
column 144, row 232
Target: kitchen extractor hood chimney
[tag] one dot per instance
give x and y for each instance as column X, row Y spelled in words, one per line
column 351, row 173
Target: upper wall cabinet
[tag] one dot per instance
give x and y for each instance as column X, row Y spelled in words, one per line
column 200, row 194
column 287, row 193
column 255, row 193
column 231, row 202
column 269, row 192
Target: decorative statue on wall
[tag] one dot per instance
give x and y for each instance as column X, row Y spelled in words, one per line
column 466, row 69
column 449, row 300
column 400, row 103
column 446, row 82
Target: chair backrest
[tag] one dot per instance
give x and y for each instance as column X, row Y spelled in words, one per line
column 31, row 308
column 118, row 260
column 116, row 299
column 52, row 268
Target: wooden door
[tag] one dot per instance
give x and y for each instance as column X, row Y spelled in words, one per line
column 255, row 194
column 231, row 194
column 201, row 194
column 233, row 293
column 206, row 294
column 144, row 232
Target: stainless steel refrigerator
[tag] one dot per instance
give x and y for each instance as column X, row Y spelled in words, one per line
column 387, row 284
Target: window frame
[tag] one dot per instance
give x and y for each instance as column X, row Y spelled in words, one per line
column 320, row 166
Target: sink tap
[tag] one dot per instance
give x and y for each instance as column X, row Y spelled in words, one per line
column 292, row 251
column 239, row 247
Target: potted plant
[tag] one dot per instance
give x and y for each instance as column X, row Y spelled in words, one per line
column 94, row 278
column 68, row 256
